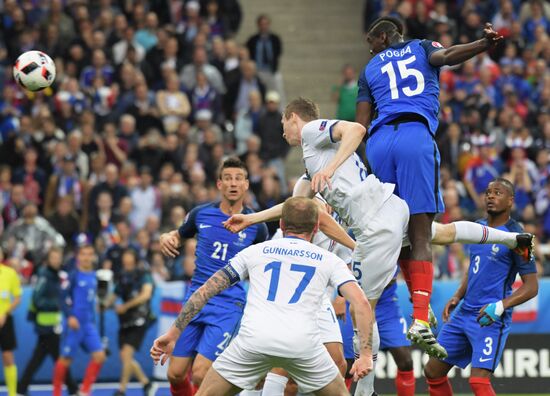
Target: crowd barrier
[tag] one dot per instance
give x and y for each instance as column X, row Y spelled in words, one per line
column 525, row 367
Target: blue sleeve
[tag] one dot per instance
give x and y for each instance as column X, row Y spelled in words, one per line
column 430, row 47
column 67, row 295
column 189, row 227
column 524, row 267
column 364, row 94
column 262, row 234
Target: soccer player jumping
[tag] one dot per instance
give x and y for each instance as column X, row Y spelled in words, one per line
column 401, row 84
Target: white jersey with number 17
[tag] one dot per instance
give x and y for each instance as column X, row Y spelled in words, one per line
column 288, row 278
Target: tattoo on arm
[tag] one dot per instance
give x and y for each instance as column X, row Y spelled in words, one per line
column 216, row 284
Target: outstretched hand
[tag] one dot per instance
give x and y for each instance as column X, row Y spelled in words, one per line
column 321, row 179
column 491, row 35
column 169, row 245
column 162, row 349
column 237, row 222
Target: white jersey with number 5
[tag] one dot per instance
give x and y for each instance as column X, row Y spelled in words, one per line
column 288, row 278
column 354, row 195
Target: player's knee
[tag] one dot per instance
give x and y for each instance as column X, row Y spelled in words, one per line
column 99, row 357
column 175, row 377
column 198, row 373
column 430, row 372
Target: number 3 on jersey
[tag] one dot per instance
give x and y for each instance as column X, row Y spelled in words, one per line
column 275, row 267
column 404, row 72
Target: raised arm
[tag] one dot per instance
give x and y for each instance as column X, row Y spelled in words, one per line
column 164, row 345
column 462, row 52
column 350, row 135
column 363, row 113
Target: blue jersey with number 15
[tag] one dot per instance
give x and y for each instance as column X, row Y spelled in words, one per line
column 400, row 80
column 216, row 246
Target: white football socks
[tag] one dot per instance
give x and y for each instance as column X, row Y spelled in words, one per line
column 475, row 233
column 274, row 385
column 250, row 393
column 365, row 386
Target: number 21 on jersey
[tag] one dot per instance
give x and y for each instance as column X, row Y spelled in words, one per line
column 275, row 268
column 404, row 72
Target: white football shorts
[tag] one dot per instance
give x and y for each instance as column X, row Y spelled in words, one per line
column 245, row 369
column 374, row 260
column 328, row 324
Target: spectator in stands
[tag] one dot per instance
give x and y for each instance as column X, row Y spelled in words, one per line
column 247, row 121
column 345, row 93
column 135, row 288
column 112, row 185
column 146, row 36
column 482, row 170
column 14, row 206
column 274, row 148
column 32, row 177
column 65, row 220
column 203, row 123
column 237, row 98
column 66, row 182
column 265, row 48
column 31, row 235
column 99, row 67
column 173, row 104
column 188, row 75
column 103, row 215
column 204, row 97
column 145, row 199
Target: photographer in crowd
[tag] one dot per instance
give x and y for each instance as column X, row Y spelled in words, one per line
column 135, row 288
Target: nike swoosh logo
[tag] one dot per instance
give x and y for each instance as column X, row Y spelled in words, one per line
column 481, row 360
column 201, row 226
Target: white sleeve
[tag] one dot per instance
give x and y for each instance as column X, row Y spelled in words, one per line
column 239, row 263
column 340, row 274
column 343, row 252
column 318, row 133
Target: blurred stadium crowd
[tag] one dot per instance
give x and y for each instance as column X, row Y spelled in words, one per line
column 150, row 97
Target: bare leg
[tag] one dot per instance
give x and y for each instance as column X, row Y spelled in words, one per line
column 215, row 385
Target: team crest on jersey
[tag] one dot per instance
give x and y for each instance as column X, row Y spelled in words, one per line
column 242, row 237
column 436, row 44
column 323, row 125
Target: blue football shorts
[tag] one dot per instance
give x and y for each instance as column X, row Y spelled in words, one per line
column 406, row 155
column 467, row 342
column 209, row 333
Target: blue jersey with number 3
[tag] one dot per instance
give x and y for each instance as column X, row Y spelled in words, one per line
column 400, row 80
column 216, row 246
column 493, row 270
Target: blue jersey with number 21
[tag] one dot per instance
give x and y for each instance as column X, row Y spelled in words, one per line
column 400, row 80
column 216, row 246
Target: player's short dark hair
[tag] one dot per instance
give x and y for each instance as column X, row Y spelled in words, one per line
column 232, row 162
column 506, row 183
column 386, row 25
column 300, row 215
column 306, row 109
